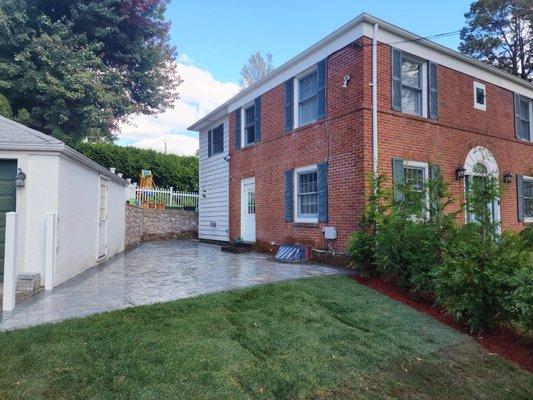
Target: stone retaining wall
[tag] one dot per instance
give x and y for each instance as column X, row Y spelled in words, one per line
column 148, row 224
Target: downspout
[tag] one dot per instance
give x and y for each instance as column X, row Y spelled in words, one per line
column 374, row 85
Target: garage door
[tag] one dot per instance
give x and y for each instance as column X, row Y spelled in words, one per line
column 8, row 172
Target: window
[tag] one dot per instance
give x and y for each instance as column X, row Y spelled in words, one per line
column 215, row 139
column 412, row 86
column 480, row 97
column 102, row 214
column 306, row 188
column 415, row 175
column 525, row 119
column 307, row 98
column 249, row 125
column 527, row 194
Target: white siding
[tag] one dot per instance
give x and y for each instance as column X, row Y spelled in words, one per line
column 214, row 184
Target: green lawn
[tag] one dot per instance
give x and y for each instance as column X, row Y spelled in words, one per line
column 317, row 338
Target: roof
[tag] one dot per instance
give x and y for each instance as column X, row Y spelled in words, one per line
column 353, row 30
column 18, row 137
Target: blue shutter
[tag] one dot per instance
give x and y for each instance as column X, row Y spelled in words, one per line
column 520, row 197
column 289, row 108
column 396, row 80
column 434, row 171
column 289, row 191
column 321, row 88
column 209, row 143
column 322, row 185
column 517, row 116
column 238, row 128
column 433, row 91
column 397, row 174
column 257, row 119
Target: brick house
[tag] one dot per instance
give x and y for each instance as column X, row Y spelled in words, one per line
column 291, row 155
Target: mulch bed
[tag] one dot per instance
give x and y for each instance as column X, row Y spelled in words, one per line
column 502, row 340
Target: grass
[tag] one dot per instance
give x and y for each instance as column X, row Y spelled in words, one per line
column 320, row 338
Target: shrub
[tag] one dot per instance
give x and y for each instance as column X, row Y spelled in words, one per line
column 527, row 234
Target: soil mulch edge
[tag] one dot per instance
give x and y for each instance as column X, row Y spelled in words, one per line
column 501, row 340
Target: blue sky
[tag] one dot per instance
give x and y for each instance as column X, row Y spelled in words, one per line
column 214, row 40
column 220, row 35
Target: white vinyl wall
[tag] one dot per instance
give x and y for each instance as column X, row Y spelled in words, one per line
column 213, row 208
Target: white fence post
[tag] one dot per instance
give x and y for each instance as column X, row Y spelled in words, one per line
column 168, row 196
column 10, row 262
column 50, row 244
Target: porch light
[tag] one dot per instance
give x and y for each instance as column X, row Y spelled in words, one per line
column 508, row 177
column 20, row 179
column 460, row 172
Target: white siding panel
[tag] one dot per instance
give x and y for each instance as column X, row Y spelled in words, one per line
column 214, row 184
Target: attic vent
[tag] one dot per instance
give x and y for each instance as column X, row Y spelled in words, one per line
column 290, row 253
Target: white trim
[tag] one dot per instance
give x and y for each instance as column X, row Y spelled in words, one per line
column 478, row 106
column 526, row 178
column 296, row 97
column 297, row 171
column 244, row 206
column 243, row 123
column 425, row 166
column 423, row 76
column 363, row 25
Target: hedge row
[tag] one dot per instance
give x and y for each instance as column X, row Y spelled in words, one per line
column 169, row 170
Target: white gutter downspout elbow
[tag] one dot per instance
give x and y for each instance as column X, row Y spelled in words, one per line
column 374, row 85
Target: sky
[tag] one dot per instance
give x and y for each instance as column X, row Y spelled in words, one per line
column 215, row 38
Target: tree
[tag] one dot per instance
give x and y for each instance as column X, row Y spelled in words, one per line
column 5, row 107
column 77, row 68
column 256, row 68
column 500, row 32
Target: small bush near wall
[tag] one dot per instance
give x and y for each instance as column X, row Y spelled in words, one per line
column 480, row 277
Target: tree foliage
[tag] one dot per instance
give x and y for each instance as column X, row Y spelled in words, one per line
column 169, row 170
column 78, row 68
column 256, row 69
column 500, row 32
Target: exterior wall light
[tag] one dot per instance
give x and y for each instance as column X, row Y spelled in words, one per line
column 508, row 177
column 460, row 172
column 345, row 80
column 20, row 179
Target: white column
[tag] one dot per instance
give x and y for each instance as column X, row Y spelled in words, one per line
column 49, row 257
column 10, row 262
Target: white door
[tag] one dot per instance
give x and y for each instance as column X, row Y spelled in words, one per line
column 102, row 220
column 248, row 210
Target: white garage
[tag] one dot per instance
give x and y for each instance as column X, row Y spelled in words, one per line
column 65, row 213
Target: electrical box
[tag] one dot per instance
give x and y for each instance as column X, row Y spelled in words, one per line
column 330, row 233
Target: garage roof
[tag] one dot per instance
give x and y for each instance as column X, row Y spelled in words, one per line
column 18, row 137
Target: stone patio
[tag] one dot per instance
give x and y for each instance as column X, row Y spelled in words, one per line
column 151, row 273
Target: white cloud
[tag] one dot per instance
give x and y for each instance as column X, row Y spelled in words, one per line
column 175, row 144
column 199, row 93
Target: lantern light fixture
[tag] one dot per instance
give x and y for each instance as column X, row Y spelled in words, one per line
column 20, row 179
column 508, row 177
column 460, row 172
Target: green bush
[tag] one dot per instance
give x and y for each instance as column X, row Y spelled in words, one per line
column 5, row 107
column 169, row 170
column 527, row 234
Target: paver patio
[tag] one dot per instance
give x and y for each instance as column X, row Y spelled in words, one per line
column 151, row 273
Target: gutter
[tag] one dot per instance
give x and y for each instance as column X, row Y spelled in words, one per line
column 374, row 85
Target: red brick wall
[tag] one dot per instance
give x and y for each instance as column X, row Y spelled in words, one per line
column 344, row 140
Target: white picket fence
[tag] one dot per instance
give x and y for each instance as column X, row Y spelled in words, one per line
column 167, row 196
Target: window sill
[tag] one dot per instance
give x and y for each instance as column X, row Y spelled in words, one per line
column 301, row 224
column 415, row 117
column 302, row 127
column 526, row 142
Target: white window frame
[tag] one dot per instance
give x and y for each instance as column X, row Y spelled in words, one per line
column 477, row 106
column 298, row 171
column 296, row 97
column 530, row 101
column 243, row 123
column 425, row 166
column 526, row 178
column 424, row 77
